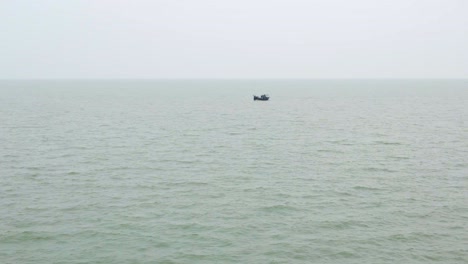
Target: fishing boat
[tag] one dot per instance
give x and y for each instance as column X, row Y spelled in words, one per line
column 263, row 97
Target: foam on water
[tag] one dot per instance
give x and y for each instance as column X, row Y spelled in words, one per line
column 197, row 172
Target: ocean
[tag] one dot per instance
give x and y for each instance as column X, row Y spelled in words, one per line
column 195, row 171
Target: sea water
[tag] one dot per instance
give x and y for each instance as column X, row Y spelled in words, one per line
column 195, row 171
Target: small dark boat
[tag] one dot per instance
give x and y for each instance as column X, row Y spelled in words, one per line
column 263, row 97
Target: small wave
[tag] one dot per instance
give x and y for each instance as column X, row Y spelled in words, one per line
column 392, row 143
column 33, row 168
column 284, row 195
column 121, row 168
column 311, row 196
column 10, row 156
column 187, row 161
column 338, row 141
column 256, row 189
column 27, row 236
column 345, row 254
column 66, row 155
column 190, row 183
column 80, row 148
column 375, row 169
column 461, row 165
column 278, row 208
column 329, row 151
column 340, row 225
column 343, row 193
column 190, row 226
column 399, row 157
column 366, row 188
column 414, row 236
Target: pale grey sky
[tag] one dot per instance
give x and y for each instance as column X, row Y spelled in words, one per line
column 234, row 39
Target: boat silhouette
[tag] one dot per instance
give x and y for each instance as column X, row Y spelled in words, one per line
column 263, row 97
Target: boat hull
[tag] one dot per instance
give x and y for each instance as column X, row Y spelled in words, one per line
column 261, row 98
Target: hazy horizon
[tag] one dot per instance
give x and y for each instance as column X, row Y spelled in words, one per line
column 231, row 79
column 296, row 39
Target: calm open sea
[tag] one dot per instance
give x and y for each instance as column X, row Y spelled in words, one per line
column 330, row 171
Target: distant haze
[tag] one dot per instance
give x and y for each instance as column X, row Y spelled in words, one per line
column 234, row 39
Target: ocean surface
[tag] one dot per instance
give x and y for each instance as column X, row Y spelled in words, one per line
column 327, row 171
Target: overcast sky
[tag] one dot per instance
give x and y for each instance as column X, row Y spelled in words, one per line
column 234, row 39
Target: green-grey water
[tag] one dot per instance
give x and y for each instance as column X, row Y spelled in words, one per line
column 331, row 171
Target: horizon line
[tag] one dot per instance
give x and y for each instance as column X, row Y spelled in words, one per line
column 219, row 79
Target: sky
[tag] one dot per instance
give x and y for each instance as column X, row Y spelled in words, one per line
column 190, row 39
